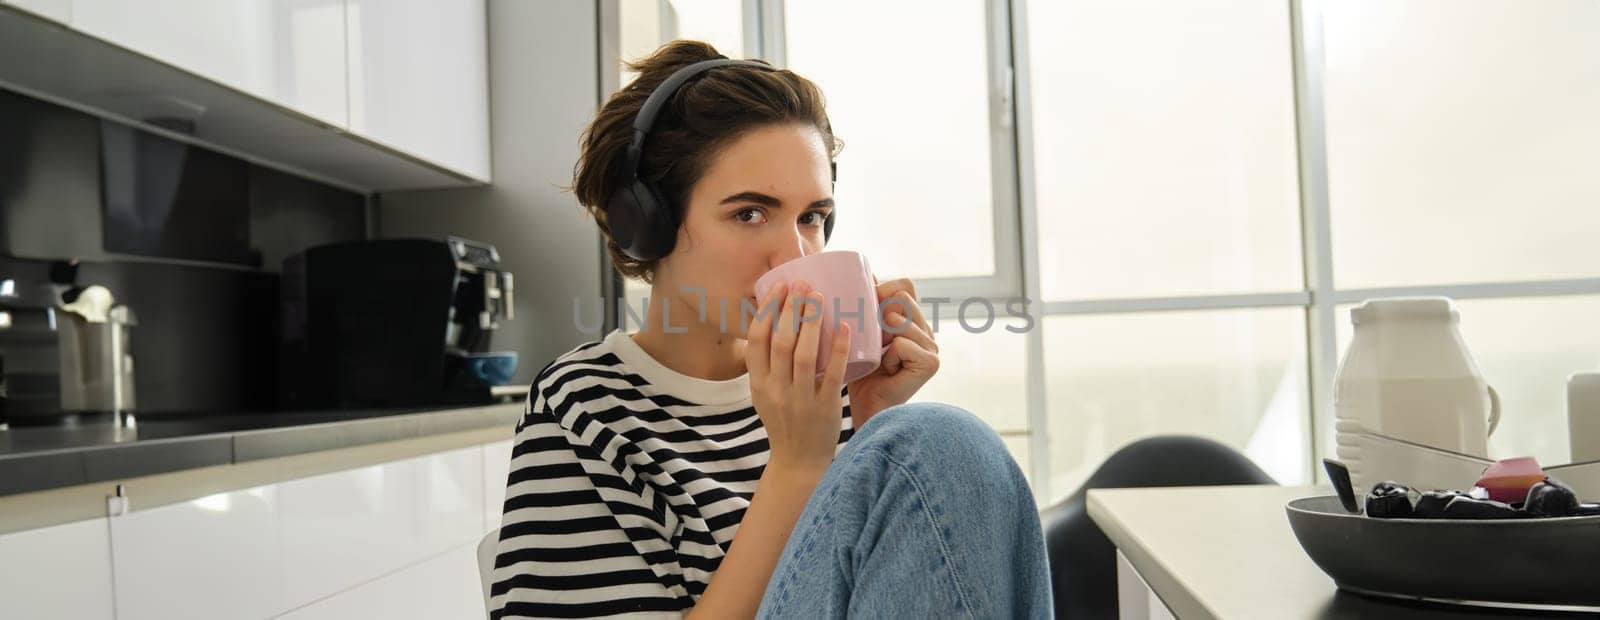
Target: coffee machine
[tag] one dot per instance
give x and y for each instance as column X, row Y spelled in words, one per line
column 392, row 323
column 64, row 354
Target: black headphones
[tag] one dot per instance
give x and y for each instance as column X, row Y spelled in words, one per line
column 641, row 219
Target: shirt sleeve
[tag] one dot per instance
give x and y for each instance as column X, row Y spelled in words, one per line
column 577, row 540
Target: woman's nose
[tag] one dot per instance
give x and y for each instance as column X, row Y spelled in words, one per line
column 793, row 246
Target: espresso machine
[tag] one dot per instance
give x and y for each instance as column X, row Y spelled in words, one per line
column 393, row 323
column 64, row 354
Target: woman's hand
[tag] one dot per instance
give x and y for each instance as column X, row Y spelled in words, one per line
column 912, row 358
column 800, row 412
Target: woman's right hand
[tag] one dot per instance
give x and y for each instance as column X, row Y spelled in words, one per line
column 801, row 412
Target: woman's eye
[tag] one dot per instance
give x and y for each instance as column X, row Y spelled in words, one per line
column 816, row 218
column 748, row 216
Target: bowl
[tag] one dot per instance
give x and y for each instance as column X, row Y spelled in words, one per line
column 1428, row 468
column 1544, row 564
column 492, row 368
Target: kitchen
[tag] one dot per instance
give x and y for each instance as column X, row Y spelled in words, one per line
column 277, row 276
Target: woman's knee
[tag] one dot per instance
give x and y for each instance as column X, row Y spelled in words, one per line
column 945, row 432
column 927, row 417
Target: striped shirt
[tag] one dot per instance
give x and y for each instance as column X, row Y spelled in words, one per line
column 628, row 482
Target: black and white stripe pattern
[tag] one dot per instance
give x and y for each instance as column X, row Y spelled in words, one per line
column 628, row 481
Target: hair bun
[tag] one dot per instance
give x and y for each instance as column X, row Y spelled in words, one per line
column 669, row 58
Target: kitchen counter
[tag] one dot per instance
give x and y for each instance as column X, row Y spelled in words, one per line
column 42, row 458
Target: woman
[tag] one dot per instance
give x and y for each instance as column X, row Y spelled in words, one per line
column 692, row 469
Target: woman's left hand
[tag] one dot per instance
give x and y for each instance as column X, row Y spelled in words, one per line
column 912, row 358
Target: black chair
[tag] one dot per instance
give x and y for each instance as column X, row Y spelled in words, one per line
column 1083, row 573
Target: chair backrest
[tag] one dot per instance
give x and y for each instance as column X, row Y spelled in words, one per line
column 1083, row 571
column 486, row 553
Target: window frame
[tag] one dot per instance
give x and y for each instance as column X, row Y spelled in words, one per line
column 1015, row 210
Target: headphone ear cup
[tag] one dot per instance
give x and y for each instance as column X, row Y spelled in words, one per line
column 658, row 230
column 833, row 186
column 624, row 219
column 639, row 224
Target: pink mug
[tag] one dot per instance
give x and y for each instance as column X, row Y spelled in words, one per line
column 845, row 281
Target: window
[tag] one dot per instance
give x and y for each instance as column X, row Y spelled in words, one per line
column 1236, row 376
column 916, row 190
column 984, row 372
column 1165, row 177
column 1178, row 167
column 718, row 22
column 1462, row 139
column 1455, row 136
column 927, row 186
column 1164, row 148
column 647, row 24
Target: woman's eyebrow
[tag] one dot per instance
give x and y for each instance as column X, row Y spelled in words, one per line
column 769, row 201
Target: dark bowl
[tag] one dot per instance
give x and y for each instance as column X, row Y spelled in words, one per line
column 1523, row 563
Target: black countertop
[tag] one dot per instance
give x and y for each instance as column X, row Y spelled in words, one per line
column 41, row 458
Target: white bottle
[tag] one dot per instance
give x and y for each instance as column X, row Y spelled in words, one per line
column 1583, row 416
column 1407, row 375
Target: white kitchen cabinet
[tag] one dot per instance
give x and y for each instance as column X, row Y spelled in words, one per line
column 496, row 469
column 58, row 10
column 444, row 586
column 63, row 571
column 213, row 557
column 289, row 52
column 263, row 551
column 380, row 95
column 343, row 529
column 419, row 79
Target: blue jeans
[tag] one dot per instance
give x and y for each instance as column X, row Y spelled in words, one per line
column 923, row 514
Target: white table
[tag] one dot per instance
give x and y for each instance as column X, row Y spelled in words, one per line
column 1227, row 552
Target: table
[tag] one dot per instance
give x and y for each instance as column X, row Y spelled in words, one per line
column 1228, row 552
